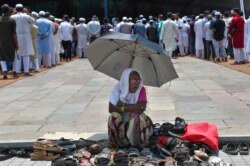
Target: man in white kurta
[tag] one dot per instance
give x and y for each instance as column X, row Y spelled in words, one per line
column 125, row 27
column 51, row 58
column 57, row 41
column 199, row 46
column 23, row 23
column 248, row 38
column 34, row 58
column 44, row 40
column 169, row 35
column 66, row 31
column 82, row 36
column 179, row 23
column 94, row 29
column 184, row 33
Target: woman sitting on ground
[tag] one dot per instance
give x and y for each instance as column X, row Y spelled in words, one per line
column 127, row 124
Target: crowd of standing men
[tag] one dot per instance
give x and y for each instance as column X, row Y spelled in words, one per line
column 30, row 40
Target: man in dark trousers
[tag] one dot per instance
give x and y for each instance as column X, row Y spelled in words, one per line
column 152, row 32
column 8, row 40
column 218, row 38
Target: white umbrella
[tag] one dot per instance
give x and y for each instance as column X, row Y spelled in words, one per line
column 113, row 53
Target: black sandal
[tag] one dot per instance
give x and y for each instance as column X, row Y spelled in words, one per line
column 243, row 149
column 230, row 149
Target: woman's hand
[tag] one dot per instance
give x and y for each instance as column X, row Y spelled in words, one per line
column 140, row 108
column 120, row 103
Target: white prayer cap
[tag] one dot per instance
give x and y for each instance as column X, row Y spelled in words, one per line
column 124, row 18
column 19, row 5
column 82, row 19
column 34, row 13
column 130, row 19
column 217, row 14
column 42, row 13
column 141, row 16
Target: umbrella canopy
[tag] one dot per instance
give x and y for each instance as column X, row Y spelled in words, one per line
column 113, row 53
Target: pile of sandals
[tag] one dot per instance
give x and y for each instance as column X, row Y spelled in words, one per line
column 165, row 148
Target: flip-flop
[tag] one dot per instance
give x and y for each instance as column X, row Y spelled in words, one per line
column 243, row 149
column 230, row 149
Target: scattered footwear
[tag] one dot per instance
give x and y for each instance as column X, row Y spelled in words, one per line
column 146, row 152
column 65, row 143
column 200, row 155
column 82, row 154
column 218, row 161
column 181, row 153
column 47, row 145
column 138, row 161
column 243, row 149
column 157, row 128
column 43, row 155
column 165, row 128
column 121, row 158
column 6, row 154
column 94, row 149
column 104, row 157
column 179, row 126
column 230, row 149
column 24, row 153
column 84, row 143
column 133, row 152
column 170, row 161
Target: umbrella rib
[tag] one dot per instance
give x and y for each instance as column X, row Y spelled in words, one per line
column 97, row 66
column 122, row 46
column 130, row 64
column 156, row 74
